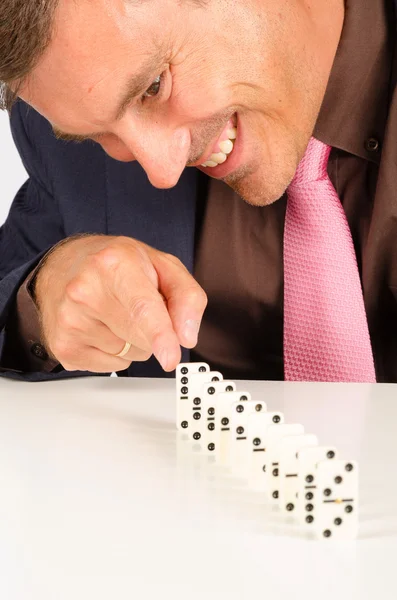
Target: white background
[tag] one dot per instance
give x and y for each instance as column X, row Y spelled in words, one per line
column 12, row 173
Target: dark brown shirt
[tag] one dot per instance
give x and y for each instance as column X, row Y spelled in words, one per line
column 239, row 257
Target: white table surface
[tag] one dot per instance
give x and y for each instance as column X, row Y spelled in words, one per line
column 99, row 499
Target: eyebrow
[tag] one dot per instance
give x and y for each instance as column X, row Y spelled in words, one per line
column 135, row 86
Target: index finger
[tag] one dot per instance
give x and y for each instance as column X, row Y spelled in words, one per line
column 186, row 299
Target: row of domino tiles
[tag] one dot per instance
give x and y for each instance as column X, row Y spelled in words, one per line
column 307, row 481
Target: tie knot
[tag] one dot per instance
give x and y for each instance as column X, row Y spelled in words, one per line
column 313, row 165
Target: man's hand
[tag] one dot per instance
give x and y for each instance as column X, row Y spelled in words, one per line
column 97, row 292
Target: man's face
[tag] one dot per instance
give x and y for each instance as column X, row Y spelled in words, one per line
column 171, row 83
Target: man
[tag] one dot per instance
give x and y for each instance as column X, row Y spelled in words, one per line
column 240, row 88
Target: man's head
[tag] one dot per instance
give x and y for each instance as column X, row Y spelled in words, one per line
column 164, row 81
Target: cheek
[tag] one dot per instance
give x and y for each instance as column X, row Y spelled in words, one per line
column 116, row 149
column 199, row 91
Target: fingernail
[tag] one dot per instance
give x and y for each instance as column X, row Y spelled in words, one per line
column 190, row 331
column 162, row 357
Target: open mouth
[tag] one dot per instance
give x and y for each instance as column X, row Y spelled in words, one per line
column 224, row 146
column 224, row 157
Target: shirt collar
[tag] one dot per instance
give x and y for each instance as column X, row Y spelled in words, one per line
column 356, row 102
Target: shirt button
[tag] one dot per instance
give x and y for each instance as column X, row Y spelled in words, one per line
column 39, row 351
column 372, row 145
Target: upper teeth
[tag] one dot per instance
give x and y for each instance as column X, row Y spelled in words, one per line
column 226, row 147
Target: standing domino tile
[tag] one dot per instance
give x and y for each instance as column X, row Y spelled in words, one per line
column 256, row 447
column 193, row 388
column 283, row 481
column 240, row 417
column 211, row 433
column 182, row 377
column 197, row 381
column 204, row 421
column 269, row 466
column 307, row 485
column 225, row 401
column 335, row 502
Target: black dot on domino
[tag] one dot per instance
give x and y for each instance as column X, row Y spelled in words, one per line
column 309, row 478
column 349, row 467
column 330, row 454
column 229, row 388
column 196, row 435
column 258, row 407
column 275, row 495
column 240, row 430
column 243, row 398
column 225, row 421
column 309, row 507
column 309, row 519
column 338, row 479
column 211, row 391
column 327, row 492
column 201, row 370
column 197, row 401
column 211, row 426
column 349, row 509
column 184, row 425
column 240, row 408
column 276, row 419
column 196, row 416
column 327, row 533
column 338, row 521
column 257, row 442
column 184, row 370
column 211, row 411
column 211, row 447
column 290, row 507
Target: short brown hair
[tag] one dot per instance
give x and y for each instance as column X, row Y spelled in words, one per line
column 25, row 32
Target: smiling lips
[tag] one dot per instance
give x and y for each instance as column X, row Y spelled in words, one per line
column 224, row 145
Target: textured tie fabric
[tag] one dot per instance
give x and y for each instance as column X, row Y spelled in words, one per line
column 326, row 334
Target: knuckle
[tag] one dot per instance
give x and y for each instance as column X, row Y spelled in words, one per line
column 117, row 253
column 107, row 258
column 77, row 290
column 140, row 308
column 196, row 296
column 173, row 259
column 66, row 320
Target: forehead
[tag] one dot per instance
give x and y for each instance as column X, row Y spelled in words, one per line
column 96, row 45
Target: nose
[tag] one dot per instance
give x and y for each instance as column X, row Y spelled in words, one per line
column 162, row 152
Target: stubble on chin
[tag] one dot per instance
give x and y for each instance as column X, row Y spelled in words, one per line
column 259, row 190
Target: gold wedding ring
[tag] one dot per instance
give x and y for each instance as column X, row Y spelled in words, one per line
column 124, row 351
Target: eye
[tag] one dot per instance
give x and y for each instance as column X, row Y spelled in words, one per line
column 154, row 89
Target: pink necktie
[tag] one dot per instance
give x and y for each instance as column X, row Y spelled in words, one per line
column 326, row 334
